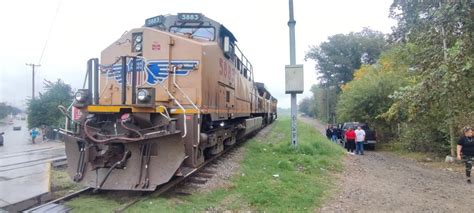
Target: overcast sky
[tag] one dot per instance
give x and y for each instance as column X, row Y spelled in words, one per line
column 84, row 27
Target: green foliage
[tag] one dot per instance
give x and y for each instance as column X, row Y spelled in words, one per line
column 7, row 110
column 338, row 58
column 442, row 91
column 366, row 98
column 423, row 137
column 325, row 99
column 44, row 109
column 307, row 106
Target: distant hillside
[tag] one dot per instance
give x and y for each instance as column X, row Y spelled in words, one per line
column 283, row 111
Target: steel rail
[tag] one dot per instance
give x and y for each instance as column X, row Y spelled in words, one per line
column 58, row 200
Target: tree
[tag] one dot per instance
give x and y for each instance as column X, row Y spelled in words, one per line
column 44, row 110
column 307, row 106
column 367, row 97
column 338, row 58
column 7, row 110
column 442, row 33
column 325, row 98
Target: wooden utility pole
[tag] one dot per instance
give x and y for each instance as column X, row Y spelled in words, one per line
column 33, row 79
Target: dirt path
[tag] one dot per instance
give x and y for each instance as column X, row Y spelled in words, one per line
column 383, row 182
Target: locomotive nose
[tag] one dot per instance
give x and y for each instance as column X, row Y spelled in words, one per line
column 141, row 165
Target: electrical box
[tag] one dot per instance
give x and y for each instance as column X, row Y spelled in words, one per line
column 294, row 80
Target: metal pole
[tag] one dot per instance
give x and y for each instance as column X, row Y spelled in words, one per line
column 291, row 25
column 294, row 121
column 33, row 79
column 124, row 79
column 96, row 81
column 89, row 80
column 134, row 80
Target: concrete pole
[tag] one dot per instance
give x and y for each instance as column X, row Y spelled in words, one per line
column 291, row 25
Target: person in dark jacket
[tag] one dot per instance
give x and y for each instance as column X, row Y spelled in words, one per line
column 465, row 150
column 329, row 132
column 1, row 138
column 339, row 134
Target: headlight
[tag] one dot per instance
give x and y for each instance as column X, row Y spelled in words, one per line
column 138, row 47
column 137, row 42
column 143, row 95
column 81, row 96
column 138, row 39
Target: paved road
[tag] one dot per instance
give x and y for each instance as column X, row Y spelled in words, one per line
column 16, row 140
column 384, row 182
column 24, row 167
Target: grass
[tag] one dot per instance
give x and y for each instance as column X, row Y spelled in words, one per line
column 62, row 183
column 274, row 177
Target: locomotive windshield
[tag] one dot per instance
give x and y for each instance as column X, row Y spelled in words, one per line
column 204, row 33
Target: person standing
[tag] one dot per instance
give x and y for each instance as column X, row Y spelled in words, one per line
column 1, row 138
column 360, row 138
column 350, row 141
column 34, row 134
column 339, row 134
column 333, row 134
column 328, row 132
column 465, row 150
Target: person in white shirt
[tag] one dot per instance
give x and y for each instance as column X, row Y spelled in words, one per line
column 360, row 138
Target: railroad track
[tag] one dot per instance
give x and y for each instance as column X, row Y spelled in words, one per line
column 178, row 180
column 56, row 206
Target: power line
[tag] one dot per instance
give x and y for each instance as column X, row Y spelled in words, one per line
column 50, row 31
column 32, row 65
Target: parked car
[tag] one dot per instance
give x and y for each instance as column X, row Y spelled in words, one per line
column 16, row 128
column 370, row 135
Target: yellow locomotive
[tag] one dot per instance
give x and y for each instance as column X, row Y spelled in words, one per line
column 163, row 99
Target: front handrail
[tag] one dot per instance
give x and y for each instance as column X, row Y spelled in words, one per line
column 192, row 103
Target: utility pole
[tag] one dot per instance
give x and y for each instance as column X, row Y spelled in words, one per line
column 293, row 77
column 33, row 79
column 291, row 25
column 327, row 104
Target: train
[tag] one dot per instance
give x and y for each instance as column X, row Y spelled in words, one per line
column 161, row 100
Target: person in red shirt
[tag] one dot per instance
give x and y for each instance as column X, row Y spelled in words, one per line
column 350, row 141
